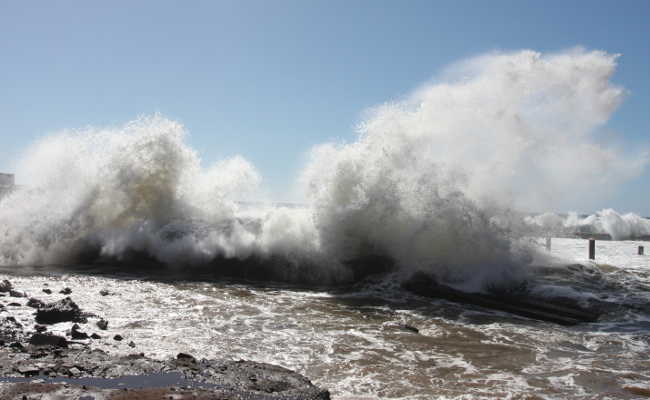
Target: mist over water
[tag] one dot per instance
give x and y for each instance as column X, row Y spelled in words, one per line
column 430, row 182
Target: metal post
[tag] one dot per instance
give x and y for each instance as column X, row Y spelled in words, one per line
column 548, row 243
column 592, row 249
column 640, row 250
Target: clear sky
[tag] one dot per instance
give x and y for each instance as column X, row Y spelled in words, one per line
column 270, row 79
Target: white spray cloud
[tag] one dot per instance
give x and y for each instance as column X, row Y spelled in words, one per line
column 428, row 183
column 430, row 175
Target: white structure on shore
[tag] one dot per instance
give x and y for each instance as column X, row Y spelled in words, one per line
column 7, row 183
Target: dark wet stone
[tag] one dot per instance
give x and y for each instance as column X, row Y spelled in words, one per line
column 104, row 292
column 95, row 336
column 102, row 324
column 10, row 330
column 45, row 339
column 40, row 328
column 5, row 286
column 131, row 344
column 66, row 291
column 17, row 346
column 409, row 328
column 14, row 304
column 76, row 333
column 35, row 303
column 185, row 360
column 15, row 293
column 118, row 337
column 60, row 311
column 28, row 370
column 47, row 291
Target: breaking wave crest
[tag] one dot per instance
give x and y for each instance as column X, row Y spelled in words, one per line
column 605, row 222
column 428, row 185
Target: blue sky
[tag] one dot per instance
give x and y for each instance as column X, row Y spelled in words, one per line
column 270, row 79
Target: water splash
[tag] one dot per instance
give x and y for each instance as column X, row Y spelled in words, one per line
column 430, row 183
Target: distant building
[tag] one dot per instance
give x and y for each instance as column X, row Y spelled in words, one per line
column 7, row 183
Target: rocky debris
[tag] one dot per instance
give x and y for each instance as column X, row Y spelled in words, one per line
column 14, row 304
column 214, row 379
column 119, row 338
column 47, row 291
column 15, row 293
column 35, row 303
column 10, row 330
column 66, row 291
column 5, row 286
column 60, row 311
column 104, row 292
column 76, row 333
column 102, row 324
column 39, row 390
column 49, row 356
column 48, row 339
column 95, row 336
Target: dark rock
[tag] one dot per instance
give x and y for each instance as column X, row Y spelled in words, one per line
column 131, row 344
column 47, row 291
column 118, row 337
column 40, row 328
column 77, row 334
column 28, row 370
column 104, row 292
column 5, row 286
column 95, row 336
column 14, row 304
column 60, row 311
column 35, row 303
column 15, row 293
column 10, row 330
column 409, row 328
column 512, row 301
column 102, row 324
column 44, row 339
column 66, row 291
column 17, row 346
column 208, row 379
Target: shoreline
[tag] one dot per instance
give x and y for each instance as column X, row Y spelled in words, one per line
column 34, row 361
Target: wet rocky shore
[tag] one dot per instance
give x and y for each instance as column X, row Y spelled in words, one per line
column 38, row 364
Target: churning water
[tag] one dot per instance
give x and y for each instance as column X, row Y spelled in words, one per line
column 351, row 341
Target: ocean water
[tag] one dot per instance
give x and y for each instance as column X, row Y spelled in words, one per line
column 349, row 339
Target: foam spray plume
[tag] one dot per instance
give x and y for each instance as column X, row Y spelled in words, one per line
column 428, row 184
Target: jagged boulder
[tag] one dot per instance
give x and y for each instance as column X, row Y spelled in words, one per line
column 61, row 311
column 47, row 339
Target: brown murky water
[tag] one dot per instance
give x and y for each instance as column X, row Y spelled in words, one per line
column 353, row 341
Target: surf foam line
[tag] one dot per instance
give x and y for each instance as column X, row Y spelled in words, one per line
column 428, row 185
column 617, row 226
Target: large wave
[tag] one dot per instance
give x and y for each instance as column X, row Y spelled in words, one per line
column 604, row 222
column 428, row 185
